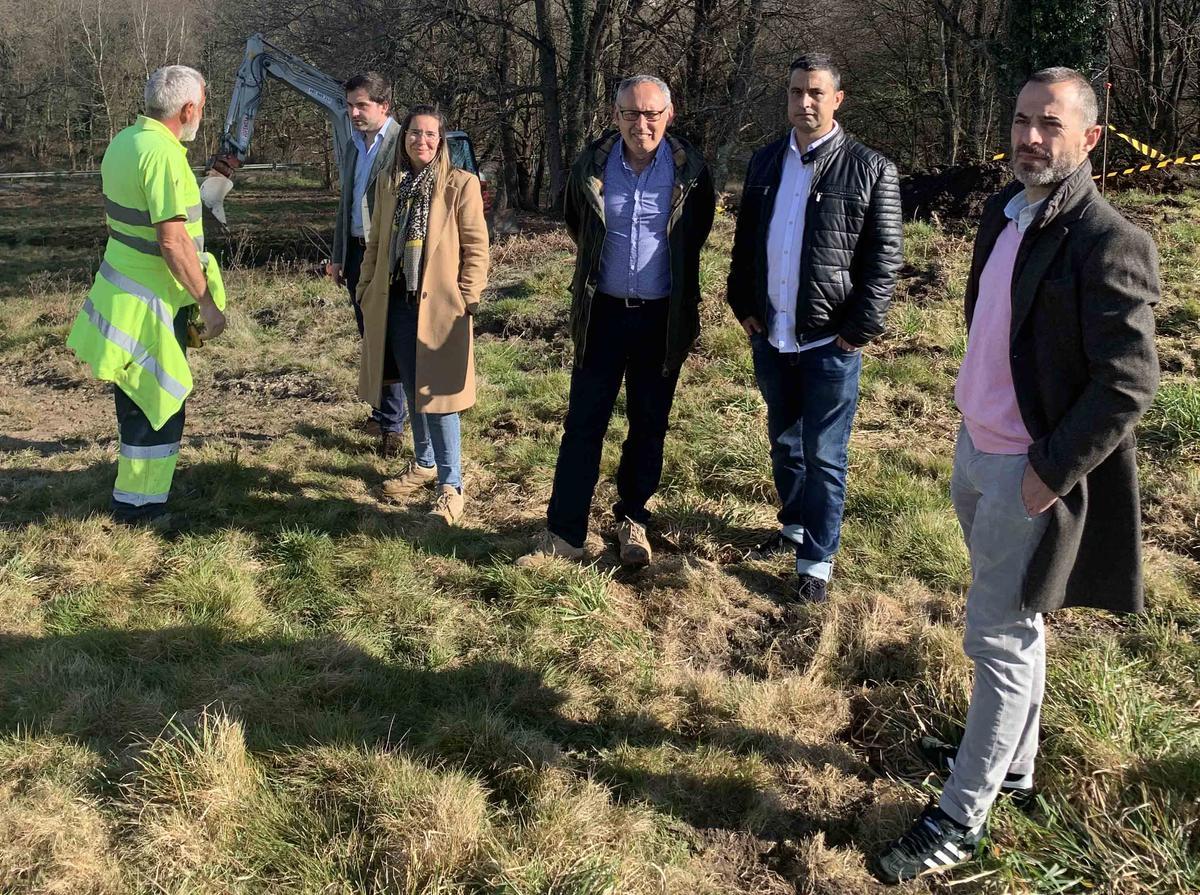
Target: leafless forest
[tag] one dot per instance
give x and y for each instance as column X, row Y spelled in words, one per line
column 927, row 80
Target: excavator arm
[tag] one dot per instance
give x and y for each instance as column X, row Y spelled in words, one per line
column 264, row 60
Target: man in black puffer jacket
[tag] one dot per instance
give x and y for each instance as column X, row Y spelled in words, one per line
column 815, row 255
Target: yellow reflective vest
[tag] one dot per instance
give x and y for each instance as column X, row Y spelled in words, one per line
column 125, row 330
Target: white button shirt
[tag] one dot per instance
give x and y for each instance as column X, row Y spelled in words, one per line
column 785, row 238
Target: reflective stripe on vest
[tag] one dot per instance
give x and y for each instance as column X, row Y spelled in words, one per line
column 141, row 354
column 147, row 246
column 122, row 282
column 135, row 217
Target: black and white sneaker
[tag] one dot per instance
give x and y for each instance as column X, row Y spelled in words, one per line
column 936, row 842
column 1016, row 787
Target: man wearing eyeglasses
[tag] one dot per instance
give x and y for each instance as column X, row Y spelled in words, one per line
column 815, row 255
column 639, row 205
column 368, row 102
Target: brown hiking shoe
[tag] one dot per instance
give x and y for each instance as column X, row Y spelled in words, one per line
column 370, row 426
column 410, row 481
column 635, row 546
column 547, row 546
column 391, row 444
column 449, row 505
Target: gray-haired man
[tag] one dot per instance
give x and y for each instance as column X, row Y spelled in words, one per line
column 639, row 206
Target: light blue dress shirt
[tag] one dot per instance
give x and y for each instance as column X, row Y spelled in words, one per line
column 362, row 174
column 1020, row 210
column 636, row 261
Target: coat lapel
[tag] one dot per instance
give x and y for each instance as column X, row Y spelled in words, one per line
column 1030, row 271
column 377, row 162
column 1044, row 237
column 440, row 203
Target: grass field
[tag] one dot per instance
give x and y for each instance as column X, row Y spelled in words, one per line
column 303, row 690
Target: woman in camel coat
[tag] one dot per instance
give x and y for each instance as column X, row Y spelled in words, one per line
column 423, row 272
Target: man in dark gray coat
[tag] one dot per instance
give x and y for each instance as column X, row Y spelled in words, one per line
column 370, row 153
column 1060, row 365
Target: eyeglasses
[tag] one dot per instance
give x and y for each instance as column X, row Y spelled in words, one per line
column 428, row 135
column 635, row 114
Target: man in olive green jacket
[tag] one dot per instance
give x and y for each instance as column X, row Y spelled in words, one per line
column 639, row 205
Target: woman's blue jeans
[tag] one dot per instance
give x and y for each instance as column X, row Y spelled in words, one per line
column 437, row 437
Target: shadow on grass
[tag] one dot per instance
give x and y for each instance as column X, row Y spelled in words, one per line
column 211, row 496
column 116, row 690
column 42, row 448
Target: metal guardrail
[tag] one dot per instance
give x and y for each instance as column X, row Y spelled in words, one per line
column 56, row 175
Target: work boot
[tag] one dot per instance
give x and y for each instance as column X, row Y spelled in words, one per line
column 409, row 482
column 449, row 505
column 371, row 427
column 391, row 444
column 547, row 546
column 635, row 546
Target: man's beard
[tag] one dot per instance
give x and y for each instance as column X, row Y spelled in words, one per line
column 189, row 131
column 1058, row 170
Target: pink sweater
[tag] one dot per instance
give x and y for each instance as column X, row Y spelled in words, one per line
column 984, row 391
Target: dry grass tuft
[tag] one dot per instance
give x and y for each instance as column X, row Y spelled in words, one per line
column 55, row 841
column 54, row 836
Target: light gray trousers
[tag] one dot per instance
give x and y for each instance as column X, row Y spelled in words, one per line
column 1006, row 642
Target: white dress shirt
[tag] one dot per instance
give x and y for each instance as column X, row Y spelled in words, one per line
column 360, row 216
column 785, row 239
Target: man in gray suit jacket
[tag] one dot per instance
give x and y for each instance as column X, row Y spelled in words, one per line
column 369, row 154
column 1059, row 367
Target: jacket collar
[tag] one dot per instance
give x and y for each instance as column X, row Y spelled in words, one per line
column 686, row 159
column 823, row 146
column 445, row 195
column 153, row 124
column 820, row 153
column 1077, row 190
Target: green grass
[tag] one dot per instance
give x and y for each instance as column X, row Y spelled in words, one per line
column 304, row 690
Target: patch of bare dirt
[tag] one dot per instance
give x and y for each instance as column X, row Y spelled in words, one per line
column 282, row 385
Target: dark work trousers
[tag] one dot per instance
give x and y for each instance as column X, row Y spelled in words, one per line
column 392, row 408
column 627, row 343
column 136, row 435
column 811, row 398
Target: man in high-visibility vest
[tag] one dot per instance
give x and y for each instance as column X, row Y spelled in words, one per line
column 133, row 328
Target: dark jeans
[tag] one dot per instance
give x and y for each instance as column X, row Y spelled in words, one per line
column 622, row 343
column 811, row 398
column 391, row 410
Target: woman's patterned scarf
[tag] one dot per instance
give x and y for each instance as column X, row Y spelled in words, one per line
column 411, row 225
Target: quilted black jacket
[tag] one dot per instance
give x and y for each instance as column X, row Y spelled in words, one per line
column 852, row 240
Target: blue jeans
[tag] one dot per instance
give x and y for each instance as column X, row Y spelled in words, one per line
column 811, row 399
column 627, row 344
column 390, row 411
column 437, row 437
